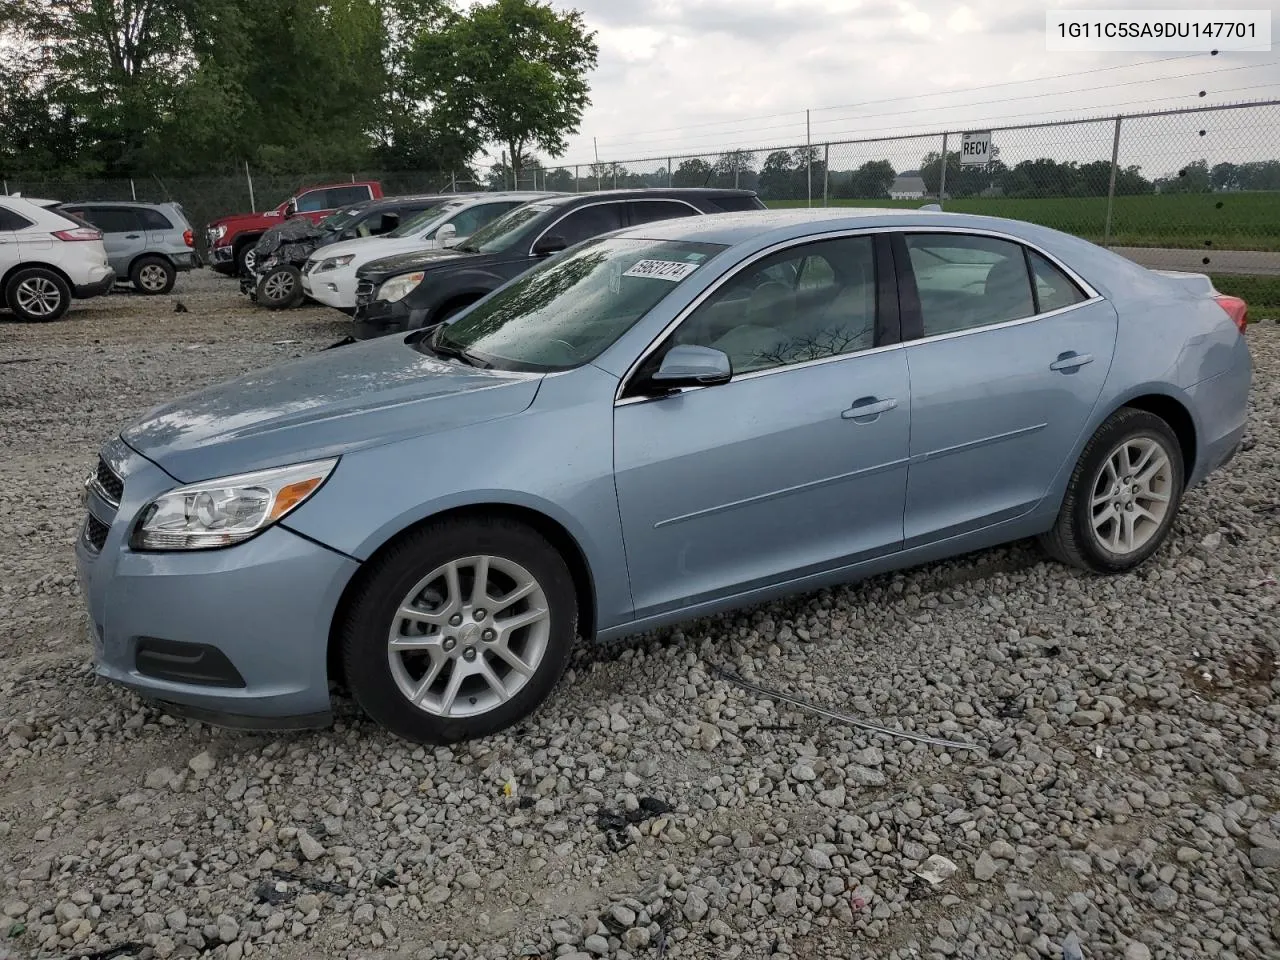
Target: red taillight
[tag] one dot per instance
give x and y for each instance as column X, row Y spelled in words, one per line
column 188, row 238
column 78, row 233
column 1236, row 309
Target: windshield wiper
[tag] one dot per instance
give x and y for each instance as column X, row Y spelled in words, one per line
column 458, row 353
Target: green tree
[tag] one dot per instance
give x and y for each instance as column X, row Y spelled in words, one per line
column 516, row 69
column 871, row 181
column 694, row 172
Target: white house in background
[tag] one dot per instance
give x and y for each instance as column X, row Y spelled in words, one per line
column 908, row 185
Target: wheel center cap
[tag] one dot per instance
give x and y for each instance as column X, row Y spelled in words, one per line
column 469, row 634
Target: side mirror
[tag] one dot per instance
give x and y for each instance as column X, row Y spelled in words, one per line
column 291, row 208
column 687, row 365
column 446, row 235
column 389, row 222
column 549, row 244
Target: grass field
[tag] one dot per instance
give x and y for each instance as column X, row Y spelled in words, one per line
column 1228, row 221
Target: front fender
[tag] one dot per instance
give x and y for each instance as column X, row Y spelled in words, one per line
column 555, row 458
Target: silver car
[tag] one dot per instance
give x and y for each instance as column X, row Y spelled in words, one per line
column 149, row 243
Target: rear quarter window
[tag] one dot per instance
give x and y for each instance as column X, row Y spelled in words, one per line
column 154, row 219
column 9, row 220
column 735, row 204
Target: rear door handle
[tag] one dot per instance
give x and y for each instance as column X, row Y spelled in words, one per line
column 1070, row 361
column 132, row 236
column 867, row 408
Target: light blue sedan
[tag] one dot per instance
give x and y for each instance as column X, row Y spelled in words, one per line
column 665, row 422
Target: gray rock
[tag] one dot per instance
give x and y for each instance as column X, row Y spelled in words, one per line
column 985, row 868
column 202, row 764
column 786, row 903
column 596, row 944
column 310, row 847
column 1265, row 857
column 1134, row 950
column 695, row 906
column 817, row 859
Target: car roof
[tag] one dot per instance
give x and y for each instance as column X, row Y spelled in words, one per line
column 117, row 203
column 738, row 227
column 659, row 193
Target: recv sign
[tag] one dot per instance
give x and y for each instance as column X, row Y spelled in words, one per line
column 975, row 148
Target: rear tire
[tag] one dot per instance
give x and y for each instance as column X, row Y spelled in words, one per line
column 475, row 661
column 280, row 288
column 1123, row 496
column 37, row 295
column 152, row 276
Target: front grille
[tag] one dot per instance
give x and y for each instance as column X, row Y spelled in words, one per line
column 364, row 291
column 95, row 532
column 109, row 483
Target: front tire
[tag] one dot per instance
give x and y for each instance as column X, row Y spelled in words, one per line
column 280, row 288
column 152, row 276
column 1123, row 495
column 37, row 295
column 460, row 630
column 246, row 257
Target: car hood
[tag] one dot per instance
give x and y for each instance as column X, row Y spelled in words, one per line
column 245, row 219
column 332, row 402
column 385, row 267
column 371, row 248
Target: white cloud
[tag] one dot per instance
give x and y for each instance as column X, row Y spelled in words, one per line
column 689, row 76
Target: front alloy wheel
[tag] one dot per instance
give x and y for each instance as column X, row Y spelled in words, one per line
column 468, row 636
column 459, row 629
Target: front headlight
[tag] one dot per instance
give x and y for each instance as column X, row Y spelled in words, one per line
column 219, row 232
column 397, row 288
column 228, row 510
column 333, row 263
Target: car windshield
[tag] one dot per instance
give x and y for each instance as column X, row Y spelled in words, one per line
column 339, row 218
column 421, row 220
column 567, row 310
column 500, row 234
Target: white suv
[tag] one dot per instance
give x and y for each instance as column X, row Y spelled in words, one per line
column 46, row 258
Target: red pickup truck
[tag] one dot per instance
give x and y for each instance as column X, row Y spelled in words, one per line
column 231, row 239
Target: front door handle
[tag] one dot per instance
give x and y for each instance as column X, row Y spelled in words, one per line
column 1070, row 361
column 132, row 236
column 868, row 408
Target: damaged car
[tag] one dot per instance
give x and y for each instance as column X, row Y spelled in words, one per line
column 279, row 256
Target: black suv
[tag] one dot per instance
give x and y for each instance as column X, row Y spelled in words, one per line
column 414, row 290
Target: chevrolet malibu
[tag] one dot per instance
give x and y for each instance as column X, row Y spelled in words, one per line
column 664, row 422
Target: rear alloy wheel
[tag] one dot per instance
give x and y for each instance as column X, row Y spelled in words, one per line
column 1123, row 496
column 152, row 276
column 37, row 295
column 280, row 288
column 461, row 630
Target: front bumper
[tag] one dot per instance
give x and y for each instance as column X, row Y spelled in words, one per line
column 266, row 605
column 95, row 288
column 331, row 289
column 221, row 255
column 378, row 318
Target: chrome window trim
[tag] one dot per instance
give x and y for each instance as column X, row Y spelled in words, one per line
column 1091, row 293
column 601, row 203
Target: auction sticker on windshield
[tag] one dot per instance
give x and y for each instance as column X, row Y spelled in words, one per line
column 673, row 270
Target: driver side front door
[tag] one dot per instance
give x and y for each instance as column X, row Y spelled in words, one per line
column 797, row 466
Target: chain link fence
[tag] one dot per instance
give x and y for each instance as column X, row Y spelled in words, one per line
column 1196, row 188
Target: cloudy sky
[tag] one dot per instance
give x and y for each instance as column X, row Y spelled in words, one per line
column 685, row 76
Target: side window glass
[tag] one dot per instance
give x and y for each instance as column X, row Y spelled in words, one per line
column 1054, row 289
column 154, row 219
column 648, row 211
column 473, row 218
column 968, row 281
column 114, row 219
column 313, row 200
column 804, row 303
column 336, row 197
column 587, row 223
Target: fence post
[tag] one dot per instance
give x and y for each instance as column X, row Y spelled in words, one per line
column 1111, row 189
column 253, row 206
column 453, row 181
column 942, row 183
column 6, row 188
column 670, row 182
column 577, row 181
column 826, row 171
column 808, row 159
column 133, row 190
column 615, row 176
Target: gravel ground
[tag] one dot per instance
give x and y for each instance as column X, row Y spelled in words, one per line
column 1125, row 802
